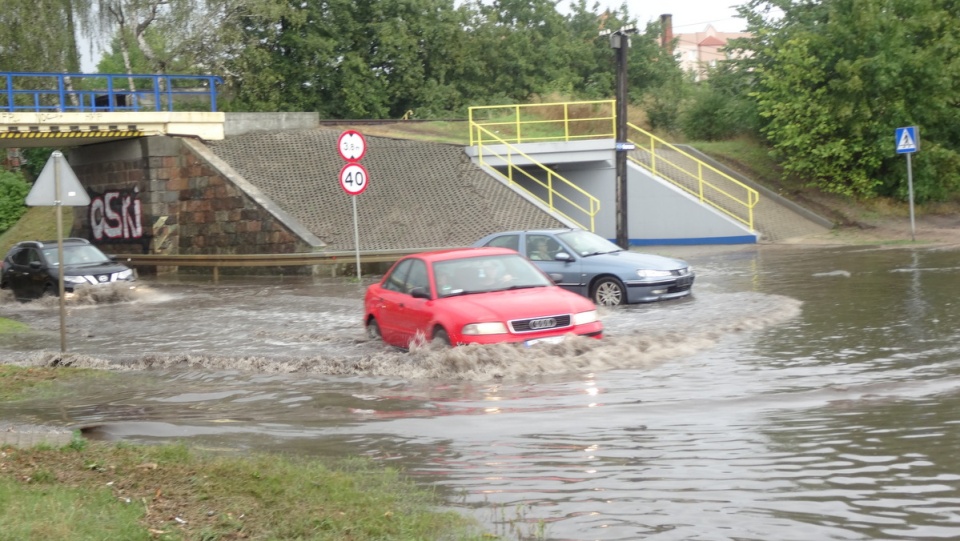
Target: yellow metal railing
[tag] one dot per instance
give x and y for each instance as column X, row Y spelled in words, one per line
column 508, row 155
column 543, row 122
column 710, row 185
column 507, row 125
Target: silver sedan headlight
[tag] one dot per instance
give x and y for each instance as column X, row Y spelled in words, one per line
column 645, row 273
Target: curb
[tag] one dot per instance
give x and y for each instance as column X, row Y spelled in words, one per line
column 27, row 436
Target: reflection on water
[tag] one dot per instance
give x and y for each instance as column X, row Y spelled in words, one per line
column 799, row 394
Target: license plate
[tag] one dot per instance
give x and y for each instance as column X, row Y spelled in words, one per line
column 548, row 340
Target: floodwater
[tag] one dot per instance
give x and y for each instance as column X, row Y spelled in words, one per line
column 801, row 393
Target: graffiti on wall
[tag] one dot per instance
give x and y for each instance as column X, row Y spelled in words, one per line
column 116, row 216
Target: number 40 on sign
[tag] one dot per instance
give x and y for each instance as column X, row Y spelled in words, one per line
column 353, row 178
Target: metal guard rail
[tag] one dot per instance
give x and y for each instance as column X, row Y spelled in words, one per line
column 217, row 261
column 551, row 174
column 746, row 203
column 102, row 92
column 264, row 260
column 514, row 120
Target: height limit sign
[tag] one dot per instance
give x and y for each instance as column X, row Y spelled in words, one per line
column 351, row 146
column 353, row 176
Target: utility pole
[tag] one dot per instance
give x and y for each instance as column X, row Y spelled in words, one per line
column 620, row 41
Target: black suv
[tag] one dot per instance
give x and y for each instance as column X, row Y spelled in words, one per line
column 31, row 268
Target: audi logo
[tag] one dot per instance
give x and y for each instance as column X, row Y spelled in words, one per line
column 544, row 323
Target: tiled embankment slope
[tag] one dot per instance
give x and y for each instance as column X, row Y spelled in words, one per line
column 420, row 195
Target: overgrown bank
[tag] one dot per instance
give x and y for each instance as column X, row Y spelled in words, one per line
column 96, row 490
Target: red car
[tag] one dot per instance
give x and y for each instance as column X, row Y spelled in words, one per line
column 474, row 296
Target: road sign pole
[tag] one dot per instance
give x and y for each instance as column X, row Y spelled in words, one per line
column 908, row 142
column 58, row 186
column 356, row 234
column 913, row 230
column 58, row 206
column 353, row 178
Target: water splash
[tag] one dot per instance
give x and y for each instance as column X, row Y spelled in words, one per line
column 634, row 339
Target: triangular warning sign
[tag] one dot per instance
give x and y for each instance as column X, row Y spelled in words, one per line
column 906, row 142
column 44, row 191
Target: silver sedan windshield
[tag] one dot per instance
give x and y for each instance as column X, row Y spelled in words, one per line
column 585, row 243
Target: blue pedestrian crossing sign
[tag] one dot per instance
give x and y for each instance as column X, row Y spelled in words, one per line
column 907, row 140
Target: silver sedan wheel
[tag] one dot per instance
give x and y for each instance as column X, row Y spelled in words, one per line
column 609, row 292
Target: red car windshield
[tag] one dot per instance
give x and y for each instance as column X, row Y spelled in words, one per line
column 486, row 273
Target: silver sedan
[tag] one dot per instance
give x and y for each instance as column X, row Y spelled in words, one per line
column 594, row 267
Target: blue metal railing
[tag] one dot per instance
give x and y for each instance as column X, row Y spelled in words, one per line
column 105, row 92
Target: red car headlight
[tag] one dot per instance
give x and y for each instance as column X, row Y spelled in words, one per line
column 494, row 327
column 585, row 317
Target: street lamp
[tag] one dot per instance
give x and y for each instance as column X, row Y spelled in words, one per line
column 620, row 40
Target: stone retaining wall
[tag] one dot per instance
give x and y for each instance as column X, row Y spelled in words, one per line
column 158, row 195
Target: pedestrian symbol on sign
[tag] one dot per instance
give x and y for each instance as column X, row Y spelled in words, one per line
column 907, row 141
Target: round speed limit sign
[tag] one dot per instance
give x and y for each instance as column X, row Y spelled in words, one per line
column 354, row 178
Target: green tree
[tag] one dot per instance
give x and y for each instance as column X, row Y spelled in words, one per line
column 525, row 48
column 720, row 107
column 383, row 58
column 34, row 160
column 174, row 36
column 13, row 192
column 346, row 59
column 23, row 21
column 656, row 80
column 835, row 79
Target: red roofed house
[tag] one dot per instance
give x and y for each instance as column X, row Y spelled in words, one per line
column 699, row 51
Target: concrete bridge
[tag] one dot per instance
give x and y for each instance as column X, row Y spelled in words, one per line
column 56, row 109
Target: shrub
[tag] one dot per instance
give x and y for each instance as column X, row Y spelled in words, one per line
column 13, row 191
column 936, row 175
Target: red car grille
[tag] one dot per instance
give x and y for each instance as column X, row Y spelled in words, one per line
column 540, row 323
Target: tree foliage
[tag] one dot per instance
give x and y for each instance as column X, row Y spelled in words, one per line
column 13, row 192
column 836, row 78
column 720, row 107
column 385, row 58
column 23, row 22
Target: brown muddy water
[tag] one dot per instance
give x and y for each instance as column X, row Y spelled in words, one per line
column 801, row 393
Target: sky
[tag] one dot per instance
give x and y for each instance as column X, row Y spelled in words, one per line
column 688, row 15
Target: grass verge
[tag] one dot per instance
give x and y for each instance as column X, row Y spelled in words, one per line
column 18, row 382
column 38, row 223
column 453, row 132
column 8, row 326
column 97, row 490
